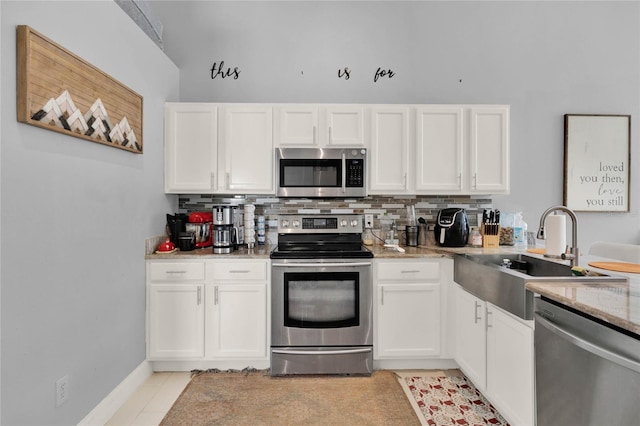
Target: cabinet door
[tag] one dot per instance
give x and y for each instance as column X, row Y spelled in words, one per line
column 471, row 337
column 389, row 153
column 190, row 148
column 237, row 320
column 489, row 149
column 176, row 321
column 510, row 373
column 344, row 126
column 408, row 320
column 297, row 125
column 439, row 149
column 246, row 150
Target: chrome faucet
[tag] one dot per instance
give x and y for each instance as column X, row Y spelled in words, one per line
column 573, row 257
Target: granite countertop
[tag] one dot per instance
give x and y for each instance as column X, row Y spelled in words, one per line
column 379, row 252
column 617, row 303
column 258, row 252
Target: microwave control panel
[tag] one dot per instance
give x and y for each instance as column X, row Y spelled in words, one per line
column 355, row 173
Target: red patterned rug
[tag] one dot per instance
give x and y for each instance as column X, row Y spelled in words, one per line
column 452, row 400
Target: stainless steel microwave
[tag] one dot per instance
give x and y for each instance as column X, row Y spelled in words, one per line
column 321, row 172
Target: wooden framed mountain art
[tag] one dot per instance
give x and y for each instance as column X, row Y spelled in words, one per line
column 59, row 91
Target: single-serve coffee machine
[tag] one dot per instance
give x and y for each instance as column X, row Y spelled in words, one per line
column 225, row 233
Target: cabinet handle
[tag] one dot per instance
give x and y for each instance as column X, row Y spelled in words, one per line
column 405, row 180
column 215, row 295
column 475, row 315
column 381, row 297
column 239, row 271
column 213, row 180
column 475, row 181
column 227, row 184
column 488, row 313
column 410, row 271
column 175, row 272
column 314, row 134
column 459, row 180
column 330, row 134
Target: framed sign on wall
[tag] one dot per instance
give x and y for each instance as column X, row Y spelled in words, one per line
column 596, row 162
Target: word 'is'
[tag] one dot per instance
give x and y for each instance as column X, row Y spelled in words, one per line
column 346, row 73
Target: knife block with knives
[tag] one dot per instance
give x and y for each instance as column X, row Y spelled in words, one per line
column 490, row 229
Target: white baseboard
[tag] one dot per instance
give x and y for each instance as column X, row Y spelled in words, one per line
column 101, row 414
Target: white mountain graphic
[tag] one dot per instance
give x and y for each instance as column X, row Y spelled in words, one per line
column 95, row 123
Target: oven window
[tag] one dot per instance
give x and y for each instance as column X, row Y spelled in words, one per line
column 310, row 173
column 321, row 300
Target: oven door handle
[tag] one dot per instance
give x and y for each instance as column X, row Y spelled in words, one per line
column 315, row 265
column 336, row 352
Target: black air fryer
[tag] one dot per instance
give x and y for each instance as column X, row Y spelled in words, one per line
column 452, row 228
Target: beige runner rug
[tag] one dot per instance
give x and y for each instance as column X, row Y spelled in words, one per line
column 254, row 398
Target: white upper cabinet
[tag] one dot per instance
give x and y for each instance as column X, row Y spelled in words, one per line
column 191, row 140
column 462, row 149
column 246, row 149
column 313, row 125
column 439, row 149
column 297, row 125
column 389, row 167
column 413, row 149
column 489, row 149
column 345, row 125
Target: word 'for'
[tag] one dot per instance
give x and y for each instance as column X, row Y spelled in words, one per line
column 346, row 73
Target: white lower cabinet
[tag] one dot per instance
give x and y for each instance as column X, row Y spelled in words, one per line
column 510, row 371
column 471, row 338
column 236, row 317
column 208, row 311
column 175, row 310
column 407, row 309
column 176, row 321
column 494, row 349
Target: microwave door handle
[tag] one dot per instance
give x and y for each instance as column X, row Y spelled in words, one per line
column 344, row 173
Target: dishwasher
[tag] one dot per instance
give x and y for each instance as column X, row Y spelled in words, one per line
column 587, row 372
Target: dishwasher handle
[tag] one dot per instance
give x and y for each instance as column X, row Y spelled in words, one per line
column 586, row 345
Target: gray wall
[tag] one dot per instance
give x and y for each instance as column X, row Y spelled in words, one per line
column 74, row 218
column 545, row 59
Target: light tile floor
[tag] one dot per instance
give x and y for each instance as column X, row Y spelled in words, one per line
column 149, row 404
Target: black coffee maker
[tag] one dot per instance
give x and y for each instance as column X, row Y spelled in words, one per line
column 452, row 228
column 176, row 224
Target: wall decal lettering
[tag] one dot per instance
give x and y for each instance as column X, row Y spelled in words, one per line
column 383, row 73
column 344, row 73
column 219, row 71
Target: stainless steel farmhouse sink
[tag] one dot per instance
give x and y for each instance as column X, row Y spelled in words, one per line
column 490, row 278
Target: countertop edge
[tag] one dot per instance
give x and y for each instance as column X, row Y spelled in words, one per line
column 379, row 252
column 552, row 291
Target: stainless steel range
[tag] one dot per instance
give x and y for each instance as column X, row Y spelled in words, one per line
column 322, row 297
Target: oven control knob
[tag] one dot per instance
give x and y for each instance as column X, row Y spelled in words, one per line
column 343, row 223
column 285, row 224
column 354, row 223
column 296, row 224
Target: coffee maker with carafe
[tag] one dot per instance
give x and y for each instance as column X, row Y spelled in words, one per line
column 225, row 234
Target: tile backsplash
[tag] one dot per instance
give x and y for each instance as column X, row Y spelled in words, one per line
column 382, row 207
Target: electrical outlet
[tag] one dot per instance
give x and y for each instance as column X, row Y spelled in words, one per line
column 368, row 221
column 62, row 390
